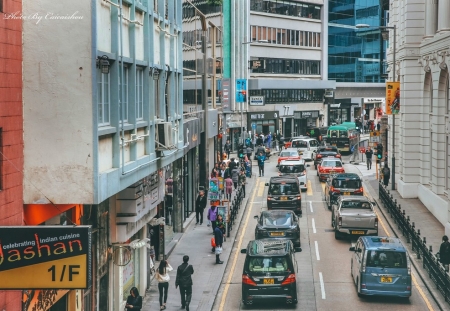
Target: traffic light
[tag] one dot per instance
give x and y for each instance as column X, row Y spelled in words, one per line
column 379, row 152
column 244, row 96
column 241, row 151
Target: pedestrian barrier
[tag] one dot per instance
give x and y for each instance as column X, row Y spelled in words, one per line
column 234, row 209
column 430, row 262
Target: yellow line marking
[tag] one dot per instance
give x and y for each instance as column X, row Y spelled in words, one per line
column 238, row 251
column 260, row 189
column 309, row 188
column 322, row 184
column 382, row 224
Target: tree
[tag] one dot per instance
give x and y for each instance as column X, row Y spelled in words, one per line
column 215, row 2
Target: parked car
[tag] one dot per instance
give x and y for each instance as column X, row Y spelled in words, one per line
column 353, row 216
column 324, row 152
column 342, row 184
column 295, row 168
column 284, row 193
column 306, row 146
column 381, row 266
column 329, row 166
column 278, row 224
column 290, row 153
column 270, row 271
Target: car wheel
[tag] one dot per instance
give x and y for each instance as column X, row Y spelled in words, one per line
column 337, row 235
column 329, row 204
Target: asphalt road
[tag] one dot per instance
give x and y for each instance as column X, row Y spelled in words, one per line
column 323, row 279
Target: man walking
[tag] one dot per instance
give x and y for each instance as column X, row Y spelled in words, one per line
column 227, row 148
column 184, row 280
column 369, row 154
column 200, row 204
column 386, row 174
column 218, row 238
column 444, row 252
column 261, row 158
column 242, row 181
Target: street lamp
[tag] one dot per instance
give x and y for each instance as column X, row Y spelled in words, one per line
column 385, row 34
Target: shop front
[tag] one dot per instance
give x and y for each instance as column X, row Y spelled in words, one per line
column 304, row 119
column 373, row 108
column 263, row 122
column 339, row 111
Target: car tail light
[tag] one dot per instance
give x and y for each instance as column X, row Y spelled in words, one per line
column 332, row 189
column 289, row 280
column 269, row 198
column 408, row 264
column 376, row 222
column 364, row 264
column 299, row 198
column 360, row 190
column 340, row 221
column 318, row 156
column 346, row 145
column 338, row 156
column 247, row 280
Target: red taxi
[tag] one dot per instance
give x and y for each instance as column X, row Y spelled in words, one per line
column 288, row 154
column 329, row 166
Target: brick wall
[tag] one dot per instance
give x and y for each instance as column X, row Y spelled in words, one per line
column 11, row 164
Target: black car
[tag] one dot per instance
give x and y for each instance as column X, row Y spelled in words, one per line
column 284, row 193
column 314, row 132
column 324, row 152
column 269, row 271
column 342, row 184
column 278, row 224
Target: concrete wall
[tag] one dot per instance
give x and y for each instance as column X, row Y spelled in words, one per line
column 57, row 100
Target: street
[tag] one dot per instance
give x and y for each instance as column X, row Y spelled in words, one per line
column 323, row 278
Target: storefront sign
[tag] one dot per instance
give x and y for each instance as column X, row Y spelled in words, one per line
column 191, row 130
column 226, row 95
column 257, row 116
column 373, row 100
column 310, row 114
column 43, row 257
column 335, row 105
column 392, row 97
column 256, row 100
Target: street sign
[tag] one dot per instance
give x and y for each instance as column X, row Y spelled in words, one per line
column 253, row 126
column 362, row 150
column 45, row 257
column 374, row 133
column 374, row 139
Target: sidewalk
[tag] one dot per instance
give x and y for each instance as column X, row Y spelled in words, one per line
column 429, row 226
column 196, row 243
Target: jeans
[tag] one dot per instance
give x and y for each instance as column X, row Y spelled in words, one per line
column 186, row 295
column 261, row 170
column 369, row 163
column 199, row 215
column 243, row 189
column 163, row 287
column 385, row 181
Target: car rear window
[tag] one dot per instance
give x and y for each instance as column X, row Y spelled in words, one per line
column 290, row 169
column 268, row 264
column 288, row 154
column 355, row 204
column 386, row 259
column 299, row 144
column 283, row 189
column 342, row 183
column 329, row 163
column 277, row 220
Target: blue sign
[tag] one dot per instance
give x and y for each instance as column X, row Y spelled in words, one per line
column 219, row 85
column 254, row 126
column 241, row 85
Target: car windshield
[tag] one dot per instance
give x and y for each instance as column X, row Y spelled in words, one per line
column 341, row 183
column 283, row 189
column 355, row 204
column 288, row 154
column 329, row 163
column 277, row 220
column 268, row 264
column 299, row 144
column 386, row 259
column 290, row 169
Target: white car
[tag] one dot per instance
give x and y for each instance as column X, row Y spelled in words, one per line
column 294, row 168
column 307, row 147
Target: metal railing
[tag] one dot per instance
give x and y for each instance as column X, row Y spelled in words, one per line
column 234, row 208
column 430, row 262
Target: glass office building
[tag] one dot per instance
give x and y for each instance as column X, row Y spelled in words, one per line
column 356, row 55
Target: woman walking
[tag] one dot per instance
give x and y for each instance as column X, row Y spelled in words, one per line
column 212, row 216
column 228, row 187
column 134, row 301
column 163, row 278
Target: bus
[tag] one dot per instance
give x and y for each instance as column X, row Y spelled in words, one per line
column 343, row 136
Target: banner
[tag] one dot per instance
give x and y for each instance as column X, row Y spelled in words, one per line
column 392, row 98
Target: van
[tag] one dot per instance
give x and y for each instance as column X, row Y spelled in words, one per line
column 295, row 168
column 284, row 193
column 270, row 271
column 307, row 147
column 381, row 266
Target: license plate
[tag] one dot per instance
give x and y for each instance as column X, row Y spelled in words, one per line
column 385, row 279
column 346, row 193
column 333, row 144
column 268, row 281
column 283, row 198
column 277, row 234
column 357, row 232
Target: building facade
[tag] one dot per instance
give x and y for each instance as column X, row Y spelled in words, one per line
column 103, row 135
column 422, row 126
column 11, row 140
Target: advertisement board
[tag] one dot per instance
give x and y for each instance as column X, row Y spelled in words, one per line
column 51, row 257
column 392, row 98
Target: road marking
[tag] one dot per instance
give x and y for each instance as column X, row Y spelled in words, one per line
column 314, row 225
column 322, row 184
column 317, row 250
column 238, row 251
column 421, row 293
column 260, row 189
column 310, row 206
column 309, row 190
column 322, row 286
column 382, row 224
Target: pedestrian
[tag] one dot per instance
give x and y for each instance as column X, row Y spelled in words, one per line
column 218, row 237
column 372, row 125
column 269, row 140
column 184, row 280
column 215, row 171
column 444, row 253
column 378, row 126
column 228, row 187
column 259, row 140
column 386, row 174
column 134, row 301
column 261, row 158
column 231, row 164
column 163, row 278
column 212, row 216
column 242, row 180
column 369, row 154
column 249, row 152
column 235, row 176
column 200, row 204
column 227, row 148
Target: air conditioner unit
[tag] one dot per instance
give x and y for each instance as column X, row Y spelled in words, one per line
column 329, row 93
column 165, row 134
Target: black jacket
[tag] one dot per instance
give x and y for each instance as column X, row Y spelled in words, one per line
column 369, row 154
column 200, row 203
column 227, row 147
column 184, row 273
column 218, row 236
column 444, row 255
column 136, row 302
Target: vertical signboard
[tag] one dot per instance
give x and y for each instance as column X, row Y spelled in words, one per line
column 392, row 97
column 241, row 88
column 225, row 93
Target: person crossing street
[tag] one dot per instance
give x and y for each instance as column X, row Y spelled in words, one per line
column 261, row 159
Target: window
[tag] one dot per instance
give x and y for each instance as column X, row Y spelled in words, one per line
column 386, row 259
column 103, row 98
column 268, row 264
column 1, row 6
column 124, row 95
column 139, row 94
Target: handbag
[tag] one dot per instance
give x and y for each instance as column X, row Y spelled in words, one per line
column 213, row 242
column 218, row 250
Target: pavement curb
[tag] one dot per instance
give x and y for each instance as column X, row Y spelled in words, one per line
column 436, row 295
